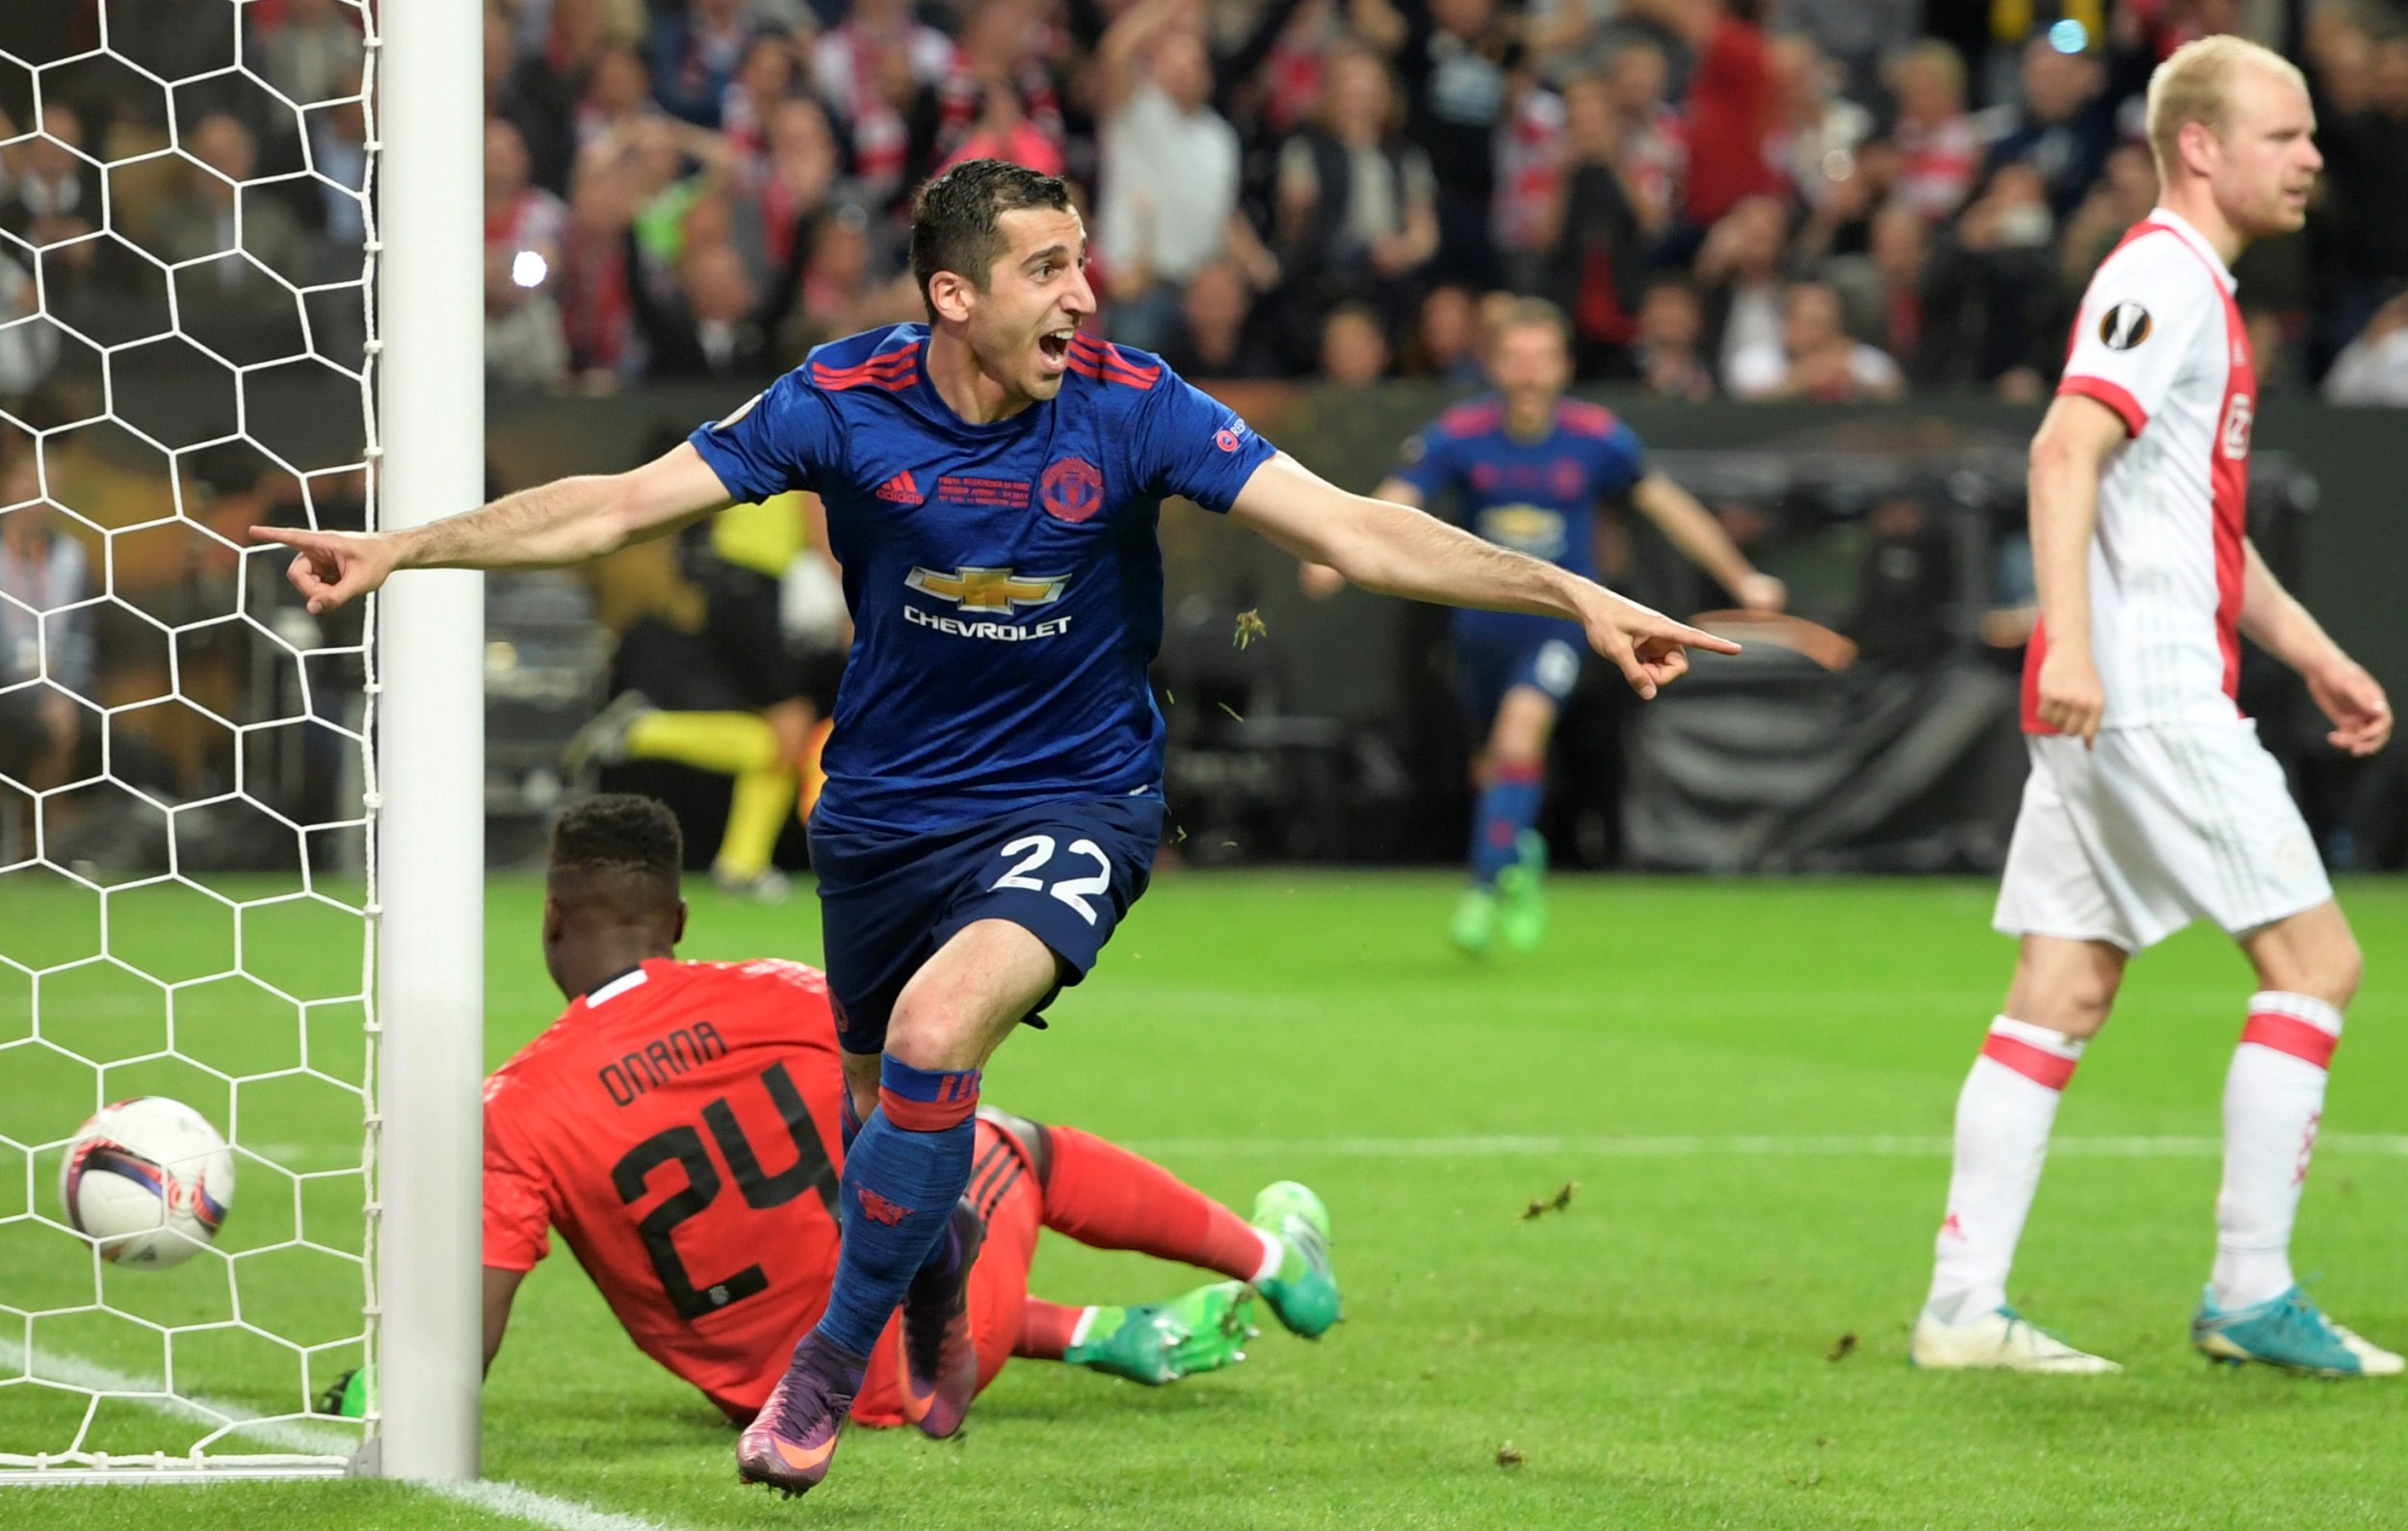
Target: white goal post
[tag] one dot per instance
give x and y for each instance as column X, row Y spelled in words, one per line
column 430, row 748
column 192, row 1374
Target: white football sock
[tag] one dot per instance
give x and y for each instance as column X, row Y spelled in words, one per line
column 2273, row 1101
column 2003, row 1121
column 1274, row 1256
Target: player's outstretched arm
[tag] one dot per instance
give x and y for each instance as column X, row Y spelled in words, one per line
column 2277, row 623
column 1690, row 527
column 1397, row 550
column 501, row 1290
column 1321, row 581
column 2068, row 455
column 566, row 521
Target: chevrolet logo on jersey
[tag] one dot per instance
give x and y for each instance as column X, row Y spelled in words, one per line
column 1524, row 529
column 988, row 591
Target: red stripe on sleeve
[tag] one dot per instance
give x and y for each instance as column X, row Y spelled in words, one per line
column 2036, row 1064
column 2301, row 1039
column 2113, row 395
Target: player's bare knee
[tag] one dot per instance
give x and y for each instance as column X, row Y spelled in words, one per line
column 2328, row 968
column 2067, row 988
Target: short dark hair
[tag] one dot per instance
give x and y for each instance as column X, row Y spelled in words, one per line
column 956, row 219
column 620, row 847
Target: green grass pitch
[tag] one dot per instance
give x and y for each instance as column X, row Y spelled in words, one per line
column 1749, row 1083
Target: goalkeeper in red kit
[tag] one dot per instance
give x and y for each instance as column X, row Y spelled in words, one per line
column 678, row 1125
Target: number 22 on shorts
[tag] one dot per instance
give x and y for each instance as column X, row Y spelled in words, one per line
column 1035, row 850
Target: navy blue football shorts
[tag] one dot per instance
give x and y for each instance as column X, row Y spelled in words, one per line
column 1066, row 872
column 1486, row 667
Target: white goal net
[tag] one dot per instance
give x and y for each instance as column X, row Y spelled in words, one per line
column 188, row 261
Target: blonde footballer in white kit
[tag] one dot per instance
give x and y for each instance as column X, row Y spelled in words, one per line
column 2151, row 802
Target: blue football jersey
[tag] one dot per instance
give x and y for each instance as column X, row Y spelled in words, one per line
column 1004, row 580
column 1537, row 497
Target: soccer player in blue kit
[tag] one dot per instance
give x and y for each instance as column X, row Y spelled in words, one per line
column 1525, row 469
column 992, row 480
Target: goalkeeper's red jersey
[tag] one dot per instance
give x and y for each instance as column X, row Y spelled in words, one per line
column 679, row 1127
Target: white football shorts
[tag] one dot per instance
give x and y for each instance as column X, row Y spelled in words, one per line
column 2157, row 827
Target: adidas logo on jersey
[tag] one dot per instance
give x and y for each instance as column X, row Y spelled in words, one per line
column 902, row 490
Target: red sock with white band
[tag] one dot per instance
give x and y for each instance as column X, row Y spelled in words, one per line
column 2273, row 1101
column 2003, row 1121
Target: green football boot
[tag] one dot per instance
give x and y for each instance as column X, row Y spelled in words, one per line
column 1304, row 1293
column 1139, row 1343
column 2290, row 1332
column 1220, row 1319
column 1473, row 928
column 1522, row 894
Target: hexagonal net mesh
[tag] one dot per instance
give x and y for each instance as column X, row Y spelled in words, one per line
column 187, row 338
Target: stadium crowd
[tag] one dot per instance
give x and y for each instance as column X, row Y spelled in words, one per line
column 1802, row 198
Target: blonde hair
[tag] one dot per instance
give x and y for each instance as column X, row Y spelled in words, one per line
column 2194, row 85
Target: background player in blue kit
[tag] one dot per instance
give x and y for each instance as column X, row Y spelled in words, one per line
column 1526, row 468
column 992, row 480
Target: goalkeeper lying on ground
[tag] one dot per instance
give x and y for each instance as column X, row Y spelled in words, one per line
column 678, row 1124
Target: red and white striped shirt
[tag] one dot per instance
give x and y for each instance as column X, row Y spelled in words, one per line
column 2160, row 342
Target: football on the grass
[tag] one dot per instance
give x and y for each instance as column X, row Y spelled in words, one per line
column 149, row 1181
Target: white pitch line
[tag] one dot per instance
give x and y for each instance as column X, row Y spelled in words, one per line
column 302, row 1437
column 1736, row 1146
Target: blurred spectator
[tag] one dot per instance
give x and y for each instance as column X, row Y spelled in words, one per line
column 1530, row 168
column 1444, row 344
column 2061, row 127
column 1898, row 265
column 1000, row 101
column 1994, row 308
column 519, row 214
column 47, row 191
column 338, row 152
column 1856, row 36
column 313, row 53
column 2373, row 367
column 524, row 347
column 532, row 97
column 617, row 92
column 1451, row 71
column 1597, row 267
column 2361, row 215
column 1653, row 148
column 1732, row 106
column 762, row 82
column 597, row 315
column 1168, row 169
column 199, row 220
column 714, row 328
column 1740, row 272
column 26, row 352
column 1814, row 139
column 1354, row 347
column 846, row 60
column 839, row 291
column 1668, row 359
column 1215, row 338
column 1357, row 205
column 42, row 570
column 786, row 192
column 1938, row 150
column 1816, row 357
column 2122, row 198
column 694, row 52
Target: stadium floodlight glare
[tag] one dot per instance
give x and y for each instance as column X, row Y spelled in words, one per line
column 344, row 969
column 528, row 269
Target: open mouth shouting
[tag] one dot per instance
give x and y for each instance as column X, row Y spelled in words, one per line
column 1053, row 347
